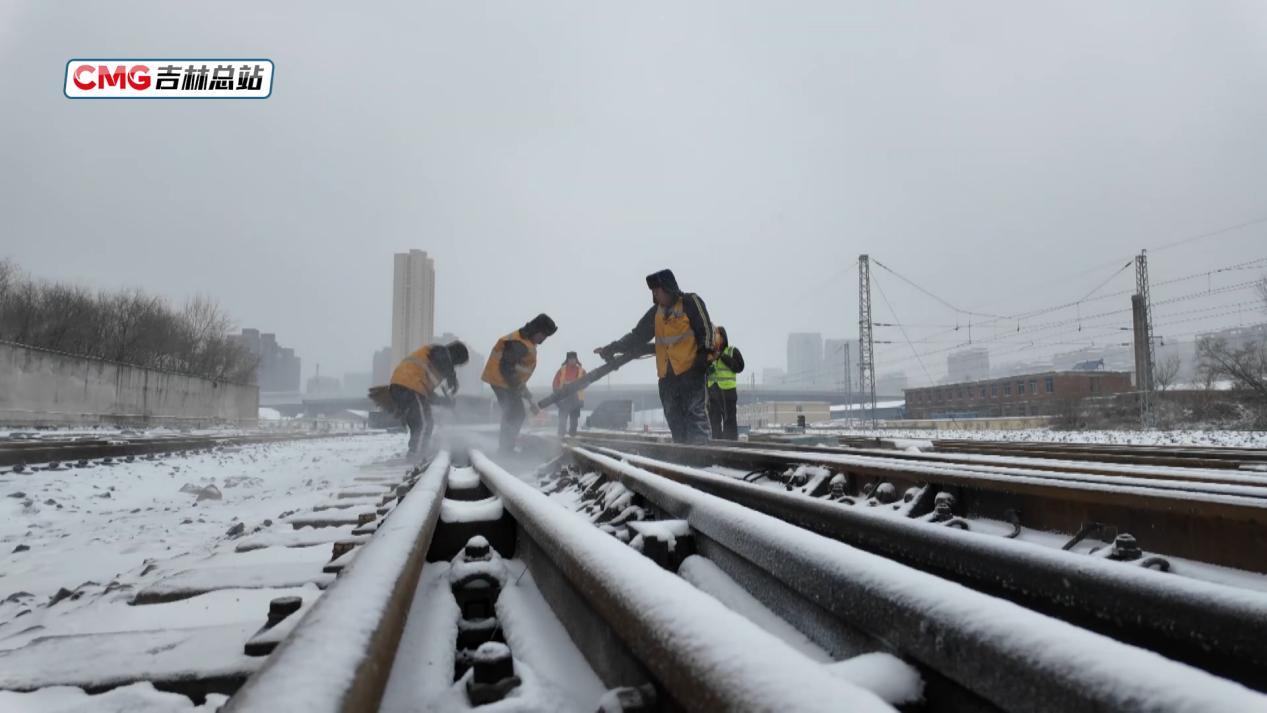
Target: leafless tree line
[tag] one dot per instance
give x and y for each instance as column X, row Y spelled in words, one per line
column 128, row 326
column 1244, row 363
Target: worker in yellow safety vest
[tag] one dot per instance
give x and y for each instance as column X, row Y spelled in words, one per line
column 570, row 407
column 678, row 322
column 414, row 381
column 509, row 366
column 723, row 388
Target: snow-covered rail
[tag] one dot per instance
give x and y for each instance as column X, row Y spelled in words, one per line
column 1217, row 627
column 69, row 451
column 1193, row 519
column 1154, row 455
column 1012, row 657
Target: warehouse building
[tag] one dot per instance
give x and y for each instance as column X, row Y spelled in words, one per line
column 773, row 414
column 1024, row 395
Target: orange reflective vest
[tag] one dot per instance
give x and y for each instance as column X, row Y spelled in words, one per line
column 415, row 372
column 523, row 370
column 674, row 341
column 567, row 374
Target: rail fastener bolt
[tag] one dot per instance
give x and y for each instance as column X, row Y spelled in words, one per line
column 493, row 674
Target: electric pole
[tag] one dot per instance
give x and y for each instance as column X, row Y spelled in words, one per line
column 866, row 345
column 1142, row 317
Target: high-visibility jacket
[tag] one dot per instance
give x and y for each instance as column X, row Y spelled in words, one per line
column 523, row 370
column 567, row 374
column 720, row 375
column 674, row 341
column 415, row 372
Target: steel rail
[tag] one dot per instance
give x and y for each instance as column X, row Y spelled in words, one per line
column 1079, row 468
column 1013, row 657
column 707, row 657
column 30, row 453
column 339, row 657
column 1218, row 628
column 1234, row 505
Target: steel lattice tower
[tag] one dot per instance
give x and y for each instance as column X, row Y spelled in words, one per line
column 1144, row 340
column 866, row 346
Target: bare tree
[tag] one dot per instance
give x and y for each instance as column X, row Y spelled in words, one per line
column 130, row 327
column 1244, row 365
column 1164, row 374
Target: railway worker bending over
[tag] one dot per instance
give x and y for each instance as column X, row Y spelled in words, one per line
column 413, row 385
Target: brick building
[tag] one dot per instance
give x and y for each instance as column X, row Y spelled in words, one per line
column 1024, row 395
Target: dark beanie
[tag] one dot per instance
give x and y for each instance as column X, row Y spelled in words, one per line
column 457, row 352
column 665, row 280
column 541, row 323
column 571, row 355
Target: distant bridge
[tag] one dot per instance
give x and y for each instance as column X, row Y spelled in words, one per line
column 643, row 396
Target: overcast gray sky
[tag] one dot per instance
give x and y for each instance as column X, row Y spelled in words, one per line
column 1004, row 155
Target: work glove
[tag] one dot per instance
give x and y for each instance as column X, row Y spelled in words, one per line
column 606, row 353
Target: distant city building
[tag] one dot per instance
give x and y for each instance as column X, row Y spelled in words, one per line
column 972, row 364
column 357, row 383
column 839, row 359
column 1020, row 395
column 1238, row 337
column 890, row 384
column 1019, row 367
column 772, row 376
column 413, row 302
column 805, row 359
column 319, row 386
column 383, row 366
column 277, row 368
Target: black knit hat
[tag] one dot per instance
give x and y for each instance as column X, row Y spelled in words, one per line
column 570, row 355
column 664, row 279
column 458, row 353
column 541, row 323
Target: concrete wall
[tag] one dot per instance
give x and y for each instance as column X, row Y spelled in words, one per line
column 40, row 387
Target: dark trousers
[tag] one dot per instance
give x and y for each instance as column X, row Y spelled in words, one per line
column 722, row 404
column 569, row 413
column 415, row 410
column 513, row 414
column 685, row 406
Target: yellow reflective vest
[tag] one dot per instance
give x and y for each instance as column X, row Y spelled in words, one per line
column 523, row 370
column 674, row 341
column 416, row 373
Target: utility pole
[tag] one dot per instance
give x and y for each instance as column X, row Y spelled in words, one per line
column 1142, row 318
column 866, row 345
column 849, row 404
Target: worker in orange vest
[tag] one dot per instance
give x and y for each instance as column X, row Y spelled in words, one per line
column 570, row 407
column 414, row 381
column 679, row 325
column 509, row 366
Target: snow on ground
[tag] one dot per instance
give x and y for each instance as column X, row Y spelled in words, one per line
column 76, row 545
column 1200, row 437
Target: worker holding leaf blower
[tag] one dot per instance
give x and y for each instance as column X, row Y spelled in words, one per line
column 413, row 383
column 683, row 334
column 510, row 365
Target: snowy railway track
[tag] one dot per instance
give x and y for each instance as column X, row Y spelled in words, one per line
column 636, row 585
column 1194, row 517
column 478, row 586
column 1153, row 455
column 77, row 452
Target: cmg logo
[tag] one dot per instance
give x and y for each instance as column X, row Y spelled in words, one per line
column 169, row 78
column 100, row 76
